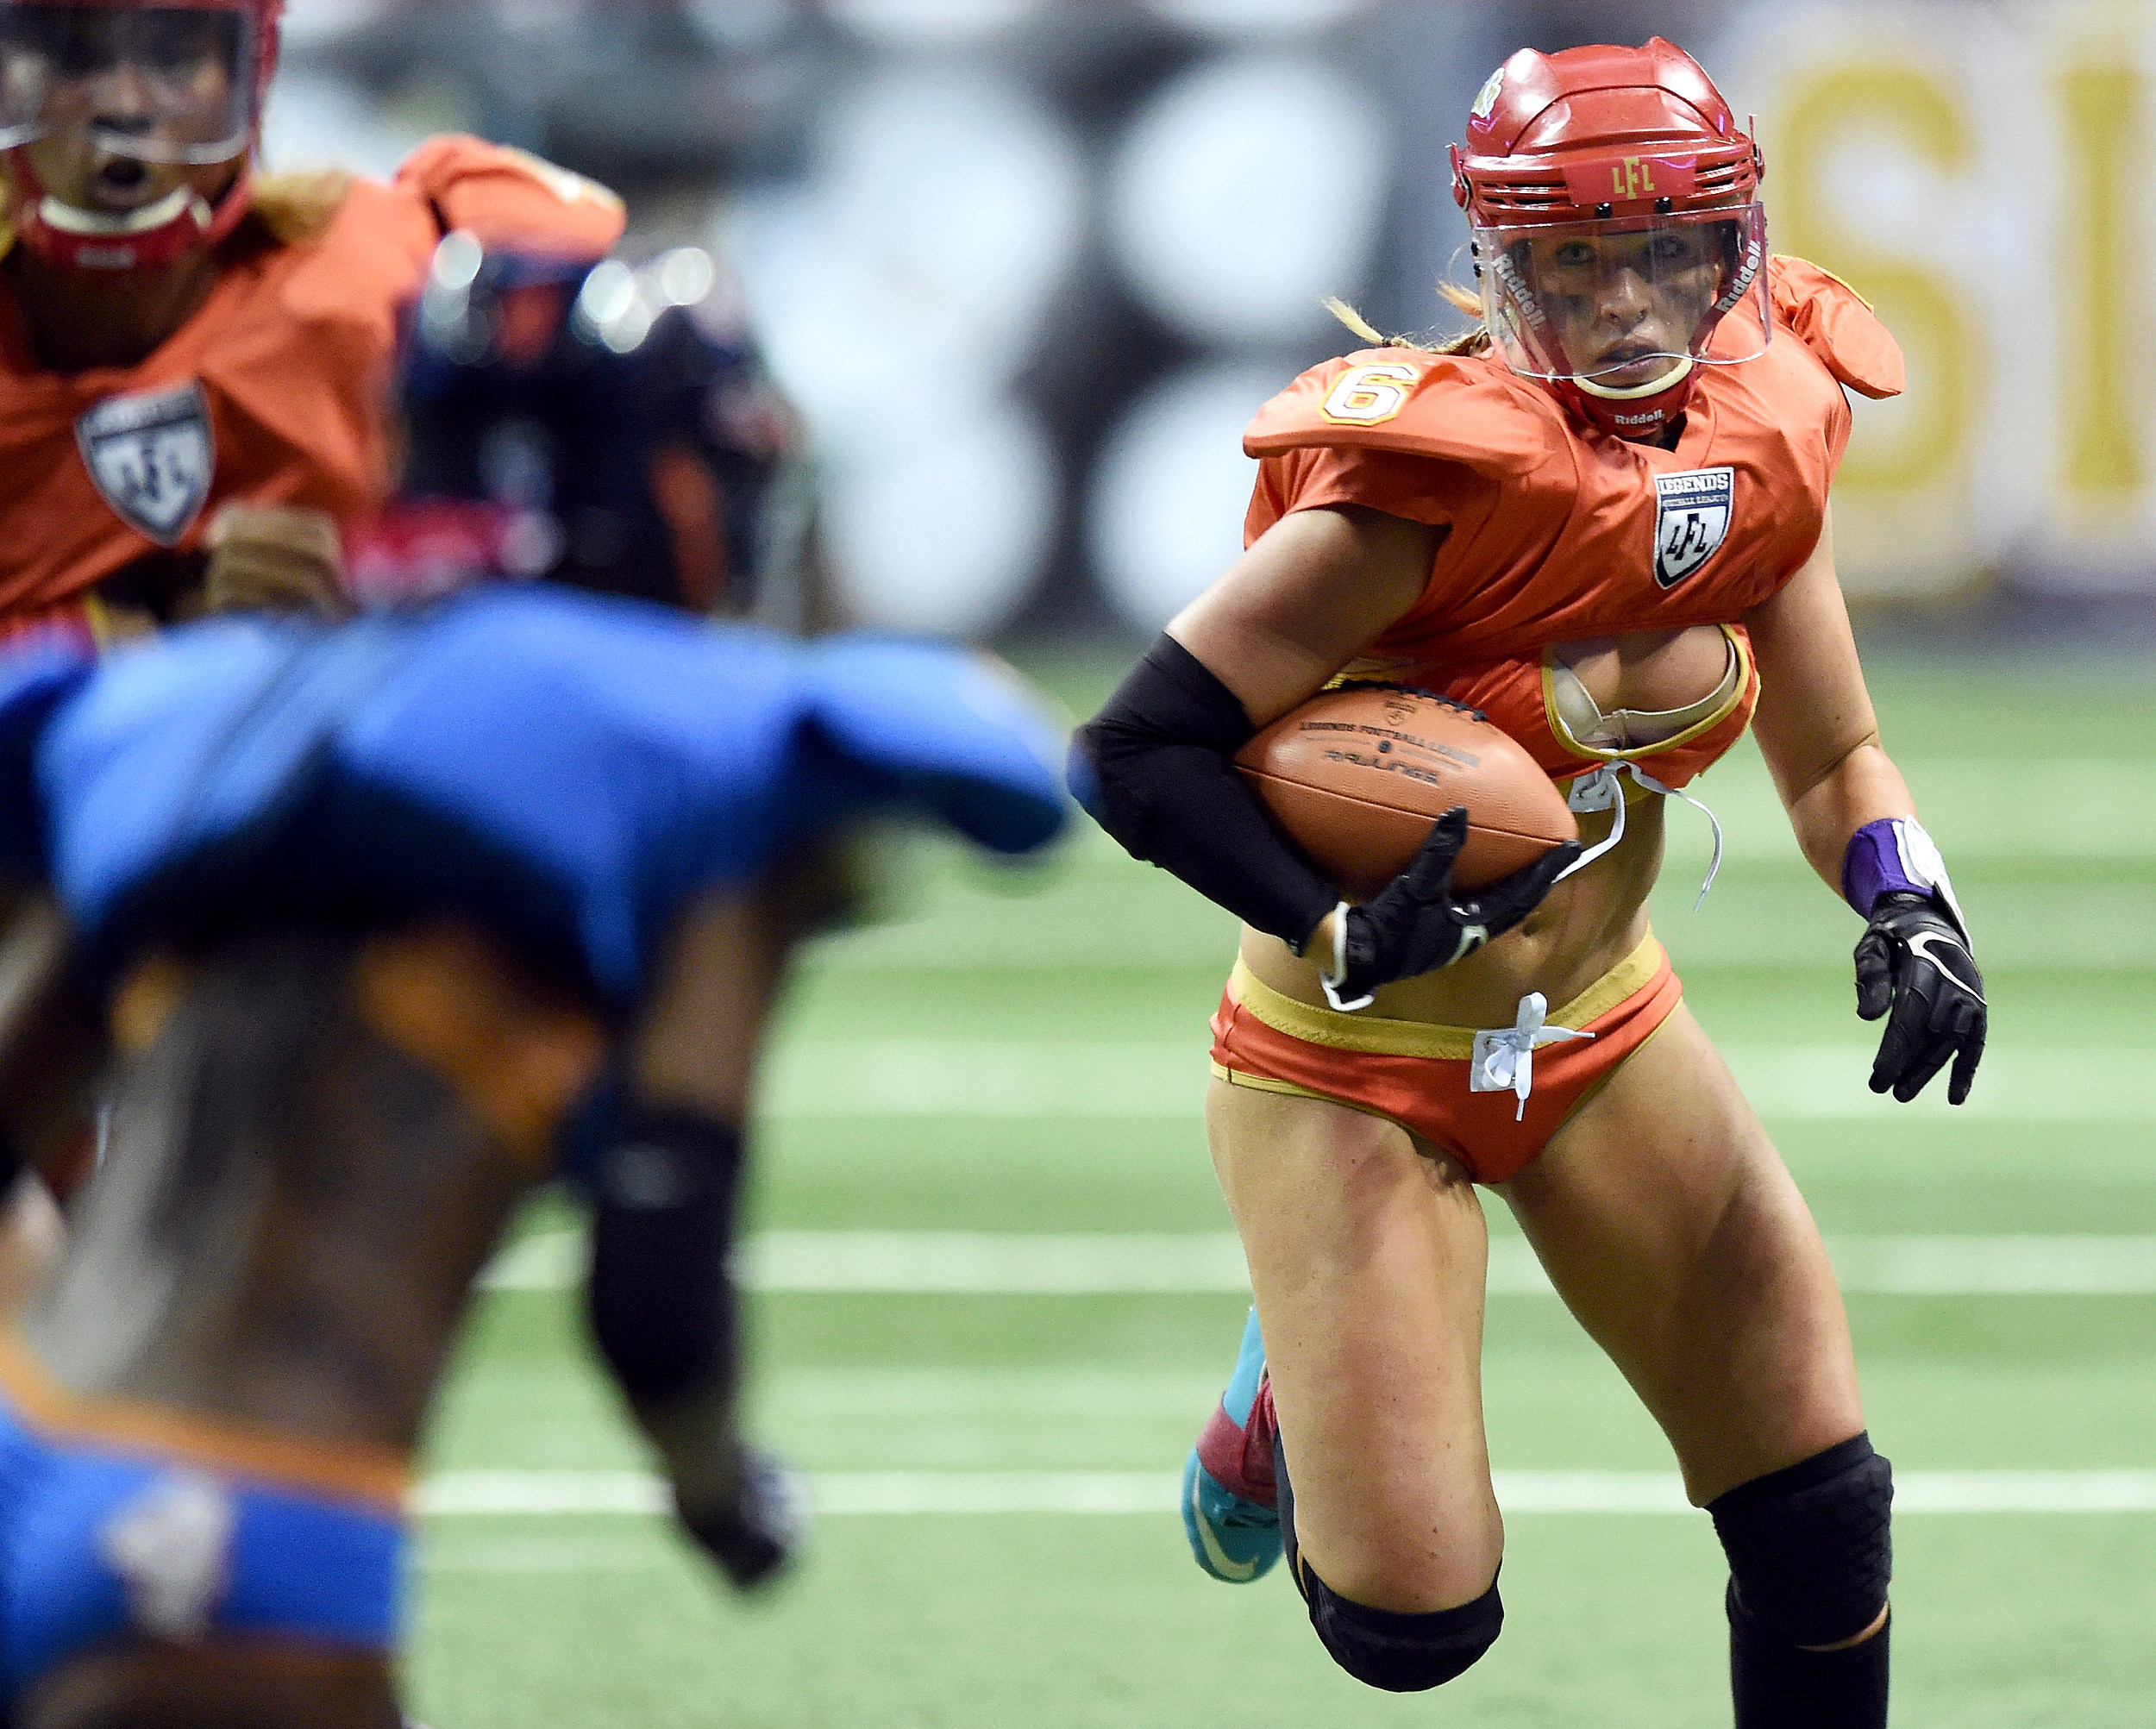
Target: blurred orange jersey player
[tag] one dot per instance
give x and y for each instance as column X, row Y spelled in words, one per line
column 179, row 335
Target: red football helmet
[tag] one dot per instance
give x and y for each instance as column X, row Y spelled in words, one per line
column 1618, row 237
column 199, row 74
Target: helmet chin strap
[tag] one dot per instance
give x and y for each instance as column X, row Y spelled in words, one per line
column 119, row 242
column 125, row 225
column 1679, row 369
column 1641, row 413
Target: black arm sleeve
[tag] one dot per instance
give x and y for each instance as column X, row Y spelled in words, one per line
column 660, row 1301
column 1156, row 768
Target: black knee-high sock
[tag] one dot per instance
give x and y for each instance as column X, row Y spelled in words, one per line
column 1779, row 1686
column 1811, row 1555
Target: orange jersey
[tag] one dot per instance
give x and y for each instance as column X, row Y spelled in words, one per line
column 1558, row 533
column 275, row 392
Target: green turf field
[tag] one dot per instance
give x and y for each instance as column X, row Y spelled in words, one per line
column 994, row 1426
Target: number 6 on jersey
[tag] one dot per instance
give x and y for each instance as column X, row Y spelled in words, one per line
column 1370, row 396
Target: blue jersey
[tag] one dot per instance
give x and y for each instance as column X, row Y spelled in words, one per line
column 569, row 769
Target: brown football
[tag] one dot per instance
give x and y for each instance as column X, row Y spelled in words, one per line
column 1356, row 776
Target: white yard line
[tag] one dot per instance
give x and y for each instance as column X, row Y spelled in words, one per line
column 1090, row 1080
column 636, row 1550
column 961, row 1263
column 536, row 1494
column 542, row 1495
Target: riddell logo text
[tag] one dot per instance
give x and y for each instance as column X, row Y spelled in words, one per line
column 1523, row 296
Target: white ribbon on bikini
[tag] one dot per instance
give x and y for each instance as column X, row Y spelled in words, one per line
column 1604, row 790
column 1505, row 1059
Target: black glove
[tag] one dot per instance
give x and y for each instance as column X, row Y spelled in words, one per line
column 1913, row 960
column 758, row 1532
column 1416, row 923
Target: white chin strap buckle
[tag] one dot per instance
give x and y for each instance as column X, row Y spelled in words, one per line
column 1604, row 790
column 1504, row 1060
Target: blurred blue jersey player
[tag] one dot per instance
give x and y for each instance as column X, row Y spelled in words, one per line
column 367, row 926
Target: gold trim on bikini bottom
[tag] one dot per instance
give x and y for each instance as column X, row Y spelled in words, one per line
column 1373, row 1036
column 338, row 1470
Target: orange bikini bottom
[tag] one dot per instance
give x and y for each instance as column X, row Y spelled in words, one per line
column 1416, row 1073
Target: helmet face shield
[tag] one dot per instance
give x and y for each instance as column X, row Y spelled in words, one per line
column 161, row 83
column 1626, row 308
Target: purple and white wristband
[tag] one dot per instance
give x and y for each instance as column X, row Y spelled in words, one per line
column 1894, row 855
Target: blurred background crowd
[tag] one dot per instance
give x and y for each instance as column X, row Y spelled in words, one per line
column 1027, row 267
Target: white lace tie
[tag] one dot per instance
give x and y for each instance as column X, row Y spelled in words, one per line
column 1604, row 790
column 1505, row 1058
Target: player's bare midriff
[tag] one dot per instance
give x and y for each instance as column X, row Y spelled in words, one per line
column 329, row 1199
column 1593, row 920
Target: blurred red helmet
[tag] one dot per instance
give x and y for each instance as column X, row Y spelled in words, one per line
column 1613, row 203
column 51, row 52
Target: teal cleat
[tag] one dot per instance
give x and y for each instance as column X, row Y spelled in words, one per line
column 1231, row 1511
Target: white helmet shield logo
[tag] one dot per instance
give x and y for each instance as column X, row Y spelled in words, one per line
column 1691, row 520
column 151, row 457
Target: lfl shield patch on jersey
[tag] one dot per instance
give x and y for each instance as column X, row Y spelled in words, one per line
column 1691, row 520
column 151, row 457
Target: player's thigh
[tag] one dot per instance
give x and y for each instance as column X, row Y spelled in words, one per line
column 139, row 1685
column 1368, row 1262
column 1674, row 1232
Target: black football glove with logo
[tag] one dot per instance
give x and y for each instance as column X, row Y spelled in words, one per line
column 1914, row 967
column 1417, row 923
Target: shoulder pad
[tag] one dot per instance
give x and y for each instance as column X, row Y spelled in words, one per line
column 1456, row 408
column 953, row 733
column 513, row 200
column 1838, row 324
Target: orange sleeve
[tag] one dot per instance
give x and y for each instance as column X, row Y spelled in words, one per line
column 1838, row 324
column 1431, row 437
column 1463, row 408
column 511, row 199
column 1400, row 485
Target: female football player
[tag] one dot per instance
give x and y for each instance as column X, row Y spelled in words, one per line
column 1603, row 520
column 180, row 334
column 388, row 924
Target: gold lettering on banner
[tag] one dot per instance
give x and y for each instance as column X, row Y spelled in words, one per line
column 1926, row 307
column 1634, row 178
column 2105, row 463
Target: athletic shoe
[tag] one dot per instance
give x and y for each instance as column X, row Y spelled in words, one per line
column 1231, row 1511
